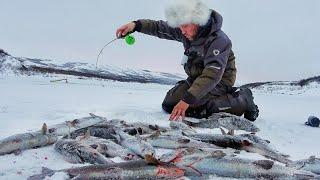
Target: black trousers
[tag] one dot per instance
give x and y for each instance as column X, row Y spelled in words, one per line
column 175, row 94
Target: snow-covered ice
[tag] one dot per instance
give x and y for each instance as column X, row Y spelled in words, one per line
column 27, row 102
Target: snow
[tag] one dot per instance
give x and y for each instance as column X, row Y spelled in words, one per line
column 29, row 101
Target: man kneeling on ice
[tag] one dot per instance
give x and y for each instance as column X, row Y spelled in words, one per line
column 208, row 61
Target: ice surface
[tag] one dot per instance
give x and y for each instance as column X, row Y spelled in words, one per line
column 27, row 102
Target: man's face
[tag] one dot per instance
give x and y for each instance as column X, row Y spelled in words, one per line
column 189, row 30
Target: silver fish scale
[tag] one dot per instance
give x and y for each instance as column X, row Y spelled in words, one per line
column 226, row 120
column 177, row 141
column 136, row 145
column 77, row 152
column 311, row 164
column 175, row 125
column 261, row 147
column 237, row 123
column 132, row 173
column 109, row 148
column 63, row 128
column 235, row 167
column 246, row 142
column 25, row 141
column 147, row 128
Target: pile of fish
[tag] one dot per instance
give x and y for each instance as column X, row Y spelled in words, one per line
column 96, row 140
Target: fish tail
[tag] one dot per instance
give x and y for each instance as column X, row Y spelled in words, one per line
column 44, row 173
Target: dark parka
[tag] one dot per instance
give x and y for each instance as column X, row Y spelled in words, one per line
column 211, row 62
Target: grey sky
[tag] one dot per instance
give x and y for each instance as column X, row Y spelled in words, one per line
column 273, row 40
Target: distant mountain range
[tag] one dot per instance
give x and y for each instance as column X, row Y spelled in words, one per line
column 30, row 66
column 301, row 83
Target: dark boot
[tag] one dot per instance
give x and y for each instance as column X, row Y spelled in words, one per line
column 238, row 103
column 252, row 110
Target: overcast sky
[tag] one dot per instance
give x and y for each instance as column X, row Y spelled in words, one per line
column 272, row 40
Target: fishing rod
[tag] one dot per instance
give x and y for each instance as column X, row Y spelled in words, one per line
column 129, row 39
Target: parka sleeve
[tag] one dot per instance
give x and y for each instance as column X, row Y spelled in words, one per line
column 215, row 62
column 159, row 29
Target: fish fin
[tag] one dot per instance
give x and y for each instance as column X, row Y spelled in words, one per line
column 72, row 123
column 151, row 160
column 139, row 130
column 218, row 154
column 88, row 134
column 44, row 129
column 93, row 115
column 155, row 134
column 223, row 131
column 265, row 164
column 191, row 128
column 154, row 127
column 184, row 141
column 68, row 123
column 231, row 132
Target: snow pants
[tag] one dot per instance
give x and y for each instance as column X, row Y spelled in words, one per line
column 226, row 100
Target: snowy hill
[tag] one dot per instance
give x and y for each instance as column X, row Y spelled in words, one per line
column 286, row 87
column 29, row 66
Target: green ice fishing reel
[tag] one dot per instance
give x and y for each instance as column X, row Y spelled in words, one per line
column 130, row 40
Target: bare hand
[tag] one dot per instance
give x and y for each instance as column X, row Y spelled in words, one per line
column 125, row 29
column 179, row 111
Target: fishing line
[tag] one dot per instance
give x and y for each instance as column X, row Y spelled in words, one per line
column 103, row 49
column 129, row 39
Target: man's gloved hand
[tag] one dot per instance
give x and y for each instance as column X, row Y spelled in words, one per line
column 179, row 111
column 125, row 29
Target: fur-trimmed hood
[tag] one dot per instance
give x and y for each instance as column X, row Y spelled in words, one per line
column 181, row 12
